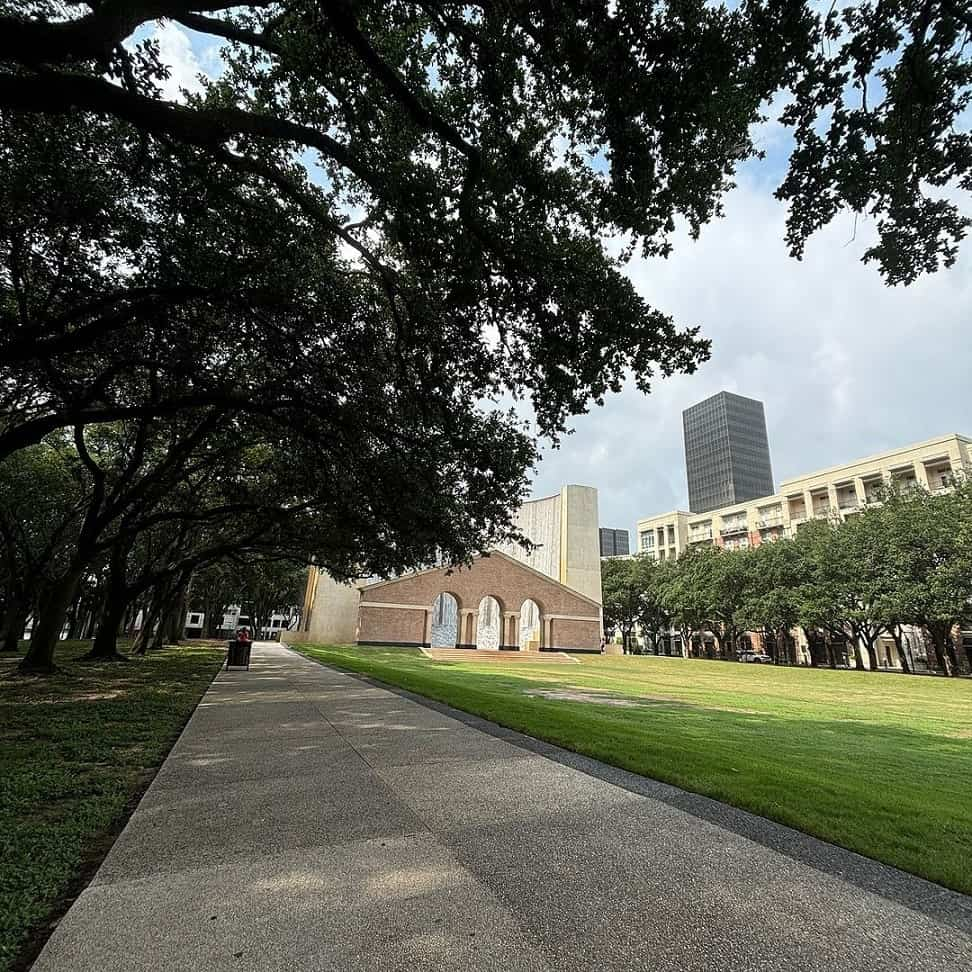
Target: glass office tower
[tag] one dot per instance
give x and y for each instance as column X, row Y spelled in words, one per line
column 614, row 543
column 727, row 457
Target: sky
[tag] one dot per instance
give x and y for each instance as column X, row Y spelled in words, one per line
column 845, row 366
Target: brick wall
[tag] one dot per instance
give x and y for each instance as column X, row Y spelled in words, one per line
column 391, row 626
column 499, row 576
column 575, row 635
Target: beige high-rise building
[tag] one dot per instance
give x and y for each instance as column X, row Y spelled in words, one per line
column 838, row 491
column 835, row 493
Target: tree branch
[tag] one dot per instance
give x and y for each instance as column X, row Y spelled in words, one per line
column 342, row 19
column 54, row 92
column 223, row 28
column 33, row 42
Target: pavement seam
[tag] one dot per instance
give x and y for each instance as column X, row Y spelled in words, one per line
column 540, row 948
column 908, row 890
column 374, row 769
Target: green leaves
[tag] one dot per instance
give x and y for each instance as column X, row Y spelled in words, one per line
column 906, row 560
column 879, row 113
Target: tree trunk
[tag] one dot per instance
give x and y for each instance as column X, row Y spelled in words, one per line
column 897, row 635
column 939, row 637
column 829, row 647
column 942, row 659
column 105, row 645
column 14, row 622
column 156, row 639
column 75, row 619
column 855, row 643
column 815, row 643
column 872, row 655
column 729, row 645
column 128, row 620
column 176, row 619
column 51, row 611
column 138, row 605
column 88, row 627
column 150, row 617
column 153, row 634
column 952, row 654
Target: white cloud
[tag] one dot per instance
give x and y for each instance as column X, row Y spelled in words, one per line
column 845, row 365
column 176, row 51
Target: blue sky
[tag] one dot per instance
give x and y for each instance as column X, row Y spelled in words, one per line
column 845, row 366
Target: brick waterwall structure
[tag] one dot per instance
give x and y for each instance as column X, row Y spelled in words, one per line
column 400, row 611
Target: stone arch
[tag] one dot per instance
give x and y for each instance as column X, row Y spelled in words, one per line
column 489, row 624
column 531, row 625
column 445, row 621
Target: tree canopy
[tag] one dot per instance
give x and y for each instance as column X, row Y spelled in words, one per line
column 905, row 560
column 453, row 169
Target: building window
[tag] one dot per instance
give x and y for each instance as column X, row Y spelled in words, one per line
column 648, row 540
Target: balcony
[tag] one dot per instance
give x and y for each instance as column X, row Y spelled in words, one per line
column 701, row 536
column 731, row 529
column 739, row 543
column 767, row 522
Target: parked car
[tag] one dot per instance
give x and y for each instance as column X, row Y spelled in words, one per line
column 755, row 657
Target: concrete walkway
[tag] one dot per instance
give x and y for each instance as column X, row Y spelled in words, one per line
column 309, row 820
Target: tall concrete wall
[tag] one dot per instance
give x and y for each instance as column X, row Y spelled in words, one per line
column 580, row 559
column 566, row 528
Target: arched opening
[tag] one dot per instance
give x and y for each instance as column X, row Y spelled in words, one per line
column 490, row 624
column 530, row 619
column 445, row 621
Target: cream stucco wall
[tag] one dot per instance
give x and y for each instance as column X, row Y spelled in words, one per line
column 330, row 611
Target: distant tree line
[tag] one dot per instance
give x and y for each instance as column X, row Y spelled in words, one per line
column 128, row 521
column 258, row 588
column 905, row 561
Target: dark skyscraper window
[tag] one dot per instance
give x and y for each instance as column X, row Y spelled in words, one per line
column 614, row 543
column 727, row 457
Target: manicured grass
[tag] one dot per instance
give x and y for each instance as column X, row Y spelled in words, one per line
column 76, row 748
column 881, row 764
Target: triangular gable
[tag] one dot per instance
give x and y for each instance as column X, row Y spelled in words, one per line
column 492, row 553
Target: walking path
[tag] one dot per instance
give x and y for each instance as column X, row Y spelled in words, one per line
column 309, row 820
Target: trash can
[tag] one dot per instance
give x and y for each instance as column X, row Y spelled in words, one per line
column 238, row 655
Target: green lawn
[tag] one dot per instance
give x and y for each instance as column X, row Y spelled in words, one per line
column 75, row 750
column 881, row 764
